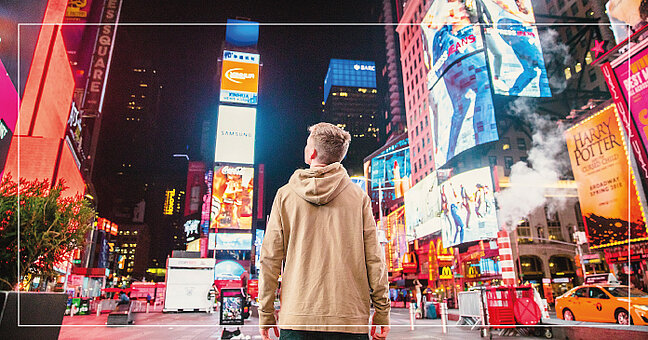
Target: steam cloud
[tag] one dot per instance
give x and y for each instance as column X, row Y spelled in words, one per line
column 547, row 162
column 555, row 52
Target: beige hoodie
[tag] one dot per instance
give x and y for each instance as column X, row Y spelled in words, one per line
column 322, row 228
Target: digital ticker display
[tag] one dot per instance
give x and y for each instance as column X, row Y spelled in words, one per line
column 461, row 104
column 514, row 50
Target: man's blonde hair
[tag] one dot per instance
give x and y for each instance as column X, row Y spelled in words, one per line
column 330, row 141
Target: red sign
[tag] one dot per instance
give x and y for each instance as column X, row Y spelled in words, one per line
column 253, row 288
column 410, row 268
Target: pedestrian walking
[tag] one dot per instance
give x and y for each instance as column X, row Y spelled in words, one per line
column 322, row 233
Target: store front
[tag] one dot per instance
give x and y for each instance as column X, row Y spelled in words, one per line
column 629, row 270
column 563, row 274
column 531, row 268
column 480, row 266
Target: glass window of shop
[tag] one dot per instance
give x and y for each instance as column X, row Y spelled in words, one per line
column 563, row 273
column 524, row 232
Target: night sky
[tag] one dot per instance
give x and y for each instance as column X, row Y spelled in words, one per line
column 294, row 58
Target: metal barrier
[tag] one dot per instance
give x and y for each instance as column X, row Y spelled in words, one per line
column 470, row 307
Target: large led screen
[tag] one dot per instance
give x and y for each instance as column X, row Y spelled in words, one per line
column 235, row 135
column 606, row 189
column 240, row 78
column 232, row 191
column 423, row 208
column 234, row 241
column 390, row 173
column 461, row 104
column 514, row 49
column 468, row 208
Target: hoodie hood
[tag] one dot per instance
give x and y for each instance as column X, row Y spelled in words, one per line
column 320, row 185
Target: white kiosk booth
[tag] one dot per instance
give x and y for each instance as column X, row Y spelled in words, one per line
column 188, row 281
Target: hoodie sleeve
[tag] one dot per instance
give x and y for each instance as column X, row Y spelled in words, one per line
column 272, row 255
column 376, row 268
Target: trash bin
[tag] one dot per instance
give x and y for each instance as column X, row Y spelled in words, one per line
column 430, row 310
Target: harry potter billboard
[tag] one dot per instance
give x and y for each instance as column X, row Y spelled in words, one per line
column 606, row 185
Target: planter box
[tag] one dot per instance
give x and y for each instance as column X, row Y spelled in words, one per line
column 35, row 309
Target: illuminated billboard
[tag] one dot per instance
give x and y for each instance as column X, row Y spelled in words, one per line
column 514, row 49
column 195, row 183
column 232, row 191
column 234, row 241
column 468, row 208
column 242, row 33
column 235, row 134
column 240, row 78
column 390, row 173
column 423, row 208
column 353, row 73
column 606, row 189
column 461, row 104
column 192, row 230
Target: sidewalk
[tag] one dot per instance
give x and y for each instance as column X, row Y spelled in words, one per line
column 189, row 326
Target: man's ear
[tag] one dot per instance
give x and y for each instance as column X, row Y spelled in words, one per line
column 313, row 154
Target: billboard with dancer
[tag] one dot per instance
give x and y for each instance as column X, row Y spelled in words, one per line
column 461, row 104
column 514, row 50
column 468, row 208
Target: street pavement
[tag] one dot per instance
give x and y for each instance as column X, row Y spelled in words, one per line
column 189, row 326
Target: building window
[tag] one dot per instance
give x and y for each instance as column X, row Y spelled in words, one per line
column 592, row 75
column 508, row 162
column 492, row 160
column 553, row 225
column 524, row 232
column 574, row 9
column 521, row 142
column 524, row 159
column 531, row 265
column 506, row 143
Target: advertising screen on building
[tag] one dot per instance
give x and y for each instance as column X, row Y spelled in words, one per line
column 390, row 173
column 192, row 230
column 353, row 73
column 461, row 104
column 195, row 184
column 423, row 208
column 397, row 246
column 232, row 191
column 631, row 71
column 468, row 208
column 514, row 49
column 242, row 33
column 240, row 78
column 235, row 135
column 234, row 241
column 606, row 189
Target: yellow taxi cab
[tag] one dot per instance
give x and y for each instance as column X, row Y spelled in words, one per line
column 604, row 303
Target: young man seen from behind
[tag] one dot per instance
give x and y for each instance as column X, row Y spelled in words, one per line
column 321, row 229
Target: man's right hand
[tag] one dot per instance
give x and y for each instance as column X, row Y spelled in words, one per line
column 384, row 330
column 265, row 332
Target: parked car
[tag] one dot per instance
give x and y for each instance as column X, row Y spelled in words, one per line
column 604, row 303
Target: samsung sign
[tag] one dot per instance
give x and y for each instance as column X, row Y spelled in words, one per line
column 235, row 135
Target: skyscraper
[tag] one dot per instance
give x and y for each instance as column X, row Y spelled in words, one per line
column 416, row 91
column 351, row 102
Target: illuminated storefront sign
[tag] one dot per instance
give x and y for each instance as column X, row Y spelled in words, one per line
column 445, row 273
column 233, row 241
column 235, row 135
column 460, row 100
column 240, row 78
column 232, row 195
column 607, row 190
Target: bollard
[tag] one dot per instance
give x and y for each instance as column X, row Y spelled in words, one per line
column 411, row 312
column 444, row 317
column 99, row 308
column 147, row 306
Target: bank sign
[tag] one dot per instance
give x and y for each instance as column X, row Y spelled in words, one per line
column 240, row 78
